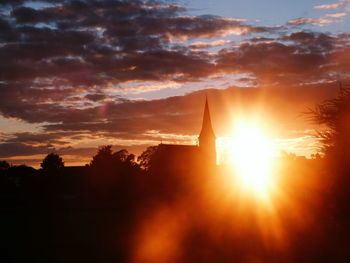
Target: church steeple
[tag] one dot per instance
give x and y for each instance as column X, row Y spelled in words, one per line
column 207, row 129
column 207, row 137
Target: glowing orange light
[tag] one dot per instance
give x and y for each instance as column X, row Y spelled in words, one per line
column 251, row 154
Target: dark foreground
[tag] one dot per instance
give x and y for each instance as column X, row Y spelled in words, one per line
column 143, row 217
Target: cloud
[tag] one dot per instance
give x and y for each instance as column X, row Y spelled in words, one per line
column 96, row 96
column 298, row 58
column 60, row 57
column 339, row 5
column 204, row 45
column 321, row 21
column 146, row 86
column 328, row 6
column 65, row 49
column 70, row 64
column 20, row 149
column 336, row 15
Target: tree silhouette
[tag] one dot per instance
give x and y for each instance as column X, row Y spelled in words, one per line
column 124, row 157
column 147, row 157
column 107, row 162
column 334, row 115
column 315, row 156
column 103, row 158
column 4, row 165
column 121, row 155
column 52, row 164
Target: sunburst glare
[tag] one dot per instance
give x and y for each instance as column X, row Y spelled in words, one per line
column 251, row 155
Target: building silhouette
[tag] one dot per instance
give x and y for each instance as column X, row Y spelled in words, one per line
column 180, row 158
column 207, row 140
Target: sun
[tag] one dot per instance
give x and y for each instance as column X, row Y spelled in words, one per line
column 252, row 155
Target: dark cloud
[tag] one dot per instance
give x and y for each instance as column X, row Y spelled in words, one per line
column 100, row 37
column 37, row 138
column 11, row 2
column 95, row 96
column 26, row 15
column 21, row 149
column 65, row 48
column 315, row 42
column 298, row 58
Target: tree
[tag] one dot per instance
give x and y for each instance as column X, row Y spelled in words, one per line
column 4, row 165
column 315, row 156
column 52, row 164
column 121, row 156
column 147, row 157
column 334, row 116
column 103, row 158
column 124, row 157
column 108, row 162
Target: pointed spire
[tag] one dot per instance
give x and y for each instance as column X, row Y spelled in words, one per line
column 206, row 117
column 207, row 129
column 206, row 138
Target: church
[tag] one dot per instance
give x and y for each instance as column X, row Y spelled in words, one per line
column 179, row 158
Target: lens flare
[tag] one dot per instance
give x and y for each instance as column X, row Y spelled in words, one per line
column 252, row 154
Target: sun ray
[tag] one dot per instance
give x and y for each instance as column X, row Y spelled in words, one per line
column 251, row 155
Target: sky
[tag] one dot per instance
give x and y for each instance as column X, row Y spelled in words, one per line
column 75, row 75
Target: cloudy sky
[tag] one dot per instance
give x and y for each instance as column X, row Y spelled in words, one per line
column 78, row 74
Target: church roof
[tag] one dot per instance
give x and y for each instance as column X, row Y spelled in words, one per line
column 177, row 147
column 176, row 156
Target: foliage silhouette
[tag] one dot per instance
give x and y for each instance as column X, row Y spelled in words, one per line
column 52, row 164
column 4, row 165
column 103, row 158
column 147, row 157
column 109, row 174
column 108, row 162
column 334, row 115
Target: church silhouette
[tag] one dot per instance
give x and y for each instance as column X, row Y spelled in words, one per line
column 181, row 158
